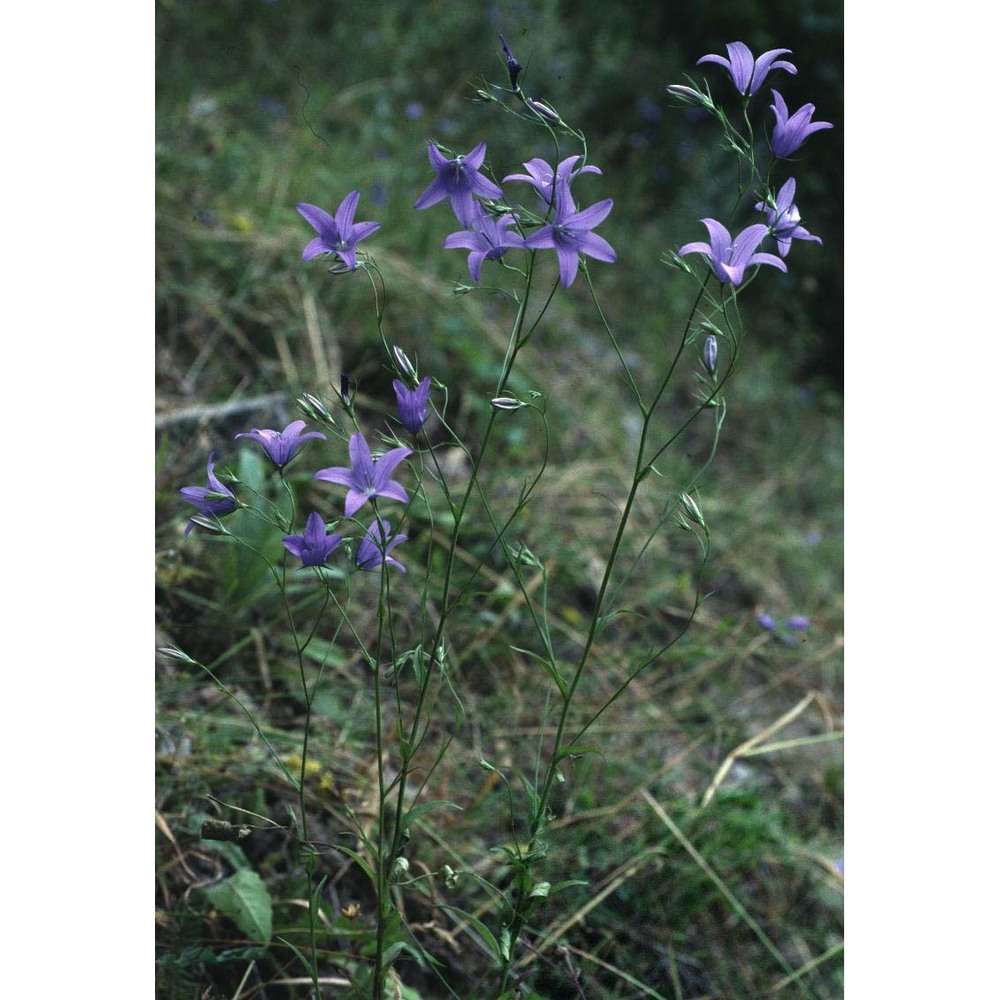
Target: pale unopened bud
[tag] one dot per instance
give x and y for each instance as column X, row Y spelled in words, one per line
column 506, row 403
column 710, row 353
column 399, row 868
column 544, row 110
column 692, row 510
column 688, row 95
column 404, row 364
column 313, row 408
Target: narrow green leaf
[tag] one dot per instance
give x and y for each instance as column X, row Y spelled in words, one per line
column 484, row 933
column 412, row 815
column 365, row 867
column 244, row 898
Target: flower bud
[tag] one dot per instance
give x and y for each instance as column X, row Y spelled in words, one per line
column 688, row 95
column 692, row 509
column 543, row 109
column 710, row 353
column 404, row 364
column 313, row 408
column 513, row 66
column 506, row 403
column 347, row 388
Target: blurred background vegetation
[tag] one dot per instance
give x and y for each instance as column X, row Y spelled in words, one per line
column 261, row 105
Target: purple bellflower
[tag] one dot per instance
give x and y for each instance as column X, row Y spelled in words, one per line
column 729, row 256
column 791, row 131
column 315, row 546
column 783, row 219
column 543, row 179
column 338, row 234
column 569, row 234
column 487, row 239
column 374, row 548
column 282, row 447
column 213, row 500
column 458, row 180
column 747, row 73
column 412, row 403
column 367, row 478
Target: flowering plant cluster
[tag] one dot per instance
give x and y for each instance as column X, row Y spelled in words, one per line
column 498, row 230
column 730, row 256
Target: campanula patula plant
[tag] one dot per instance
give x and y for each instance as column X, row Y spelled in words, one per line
column 372, row 515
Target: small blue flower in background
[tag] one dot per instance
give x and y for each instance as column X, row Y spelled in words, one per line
column 784, row 220
column 765, row 621
column 488, row 239
column 214, row 500
column 747, row 73
column 569, row 233
column 543, row 178
column 798, row 623
column 731, row 256
column 374, row 548
column 282, row 447
column 315, row 545
column 367, row 478
column 458, row 180
column 791, row 131
column 412, row 403
column 338, row 234
column 413, row 110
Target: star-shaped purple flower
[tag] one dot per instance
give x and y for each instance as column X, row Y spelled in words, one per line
column 338, row 234
column 281, row 447
column 374, row 548
column 730, row 257
column 790, row 131
column 315, row 545
column 488, row 239
column 367, row 478
column 543, row 179
column 783, row 219
column 213, row 500
column 569, row 234
column 458, row 180
column 412, row 403
column 747, row 73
